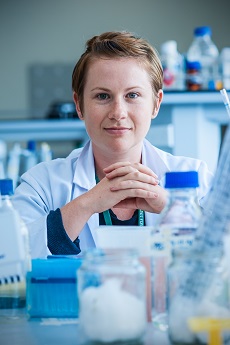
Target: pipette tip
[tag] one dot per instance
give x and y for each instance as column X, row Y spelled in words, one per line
column 225, row 100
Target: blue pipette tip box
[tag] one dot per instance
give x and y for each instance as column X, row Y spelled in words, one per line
column 51, row 287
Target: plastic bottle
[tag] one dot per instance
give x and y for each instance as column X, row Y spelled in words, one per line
column 175, row 228
column 173, row 66
column 193, row 76
column 15, row 260
column 3, row 155
column 13, row 164
column 31, row 157
column 45, row 154
column 204, row 50
column 225, row 67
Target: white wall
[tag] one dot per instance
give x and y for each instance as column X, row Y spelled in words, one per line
column 51, row 31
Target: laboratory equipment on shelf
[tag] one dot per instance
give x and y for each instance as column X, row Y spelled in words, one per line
column 205, row 51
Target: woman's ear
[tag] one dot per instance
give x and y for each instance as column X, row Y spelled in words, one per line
column 158, row 101
column 78, row 109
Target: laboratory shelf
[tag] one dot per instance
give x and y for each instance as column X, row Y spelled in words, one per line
column 24, row 130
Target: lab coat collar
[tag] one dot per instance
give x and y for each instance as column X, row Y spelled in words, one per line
column 152, row 157
column 84, row 174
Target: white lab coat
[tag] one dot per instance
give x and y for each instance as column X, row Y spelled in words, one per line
column 51, row 185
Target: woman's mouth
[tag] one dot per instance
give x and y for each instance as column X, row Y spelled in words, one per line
column 117, row 130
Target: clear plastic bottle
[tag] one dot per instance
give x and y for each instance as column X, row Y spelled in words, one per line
column 225, row 67
column 15, row 260
column 175, row 229
column 173, row 66
column 204, row 50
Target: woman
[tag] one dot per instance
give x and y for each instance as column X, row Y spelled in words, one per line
column 117, row 178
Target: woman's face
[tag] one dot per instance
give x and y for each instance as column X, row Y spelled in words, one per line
column 118, row 104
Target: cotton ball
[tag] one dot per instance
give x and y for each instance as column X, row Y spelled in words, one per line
column 181, row 310
column 109, row 313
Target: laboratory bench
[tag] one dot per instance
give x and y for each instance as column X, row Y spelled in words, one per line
column 23, row 331
column 188, row 124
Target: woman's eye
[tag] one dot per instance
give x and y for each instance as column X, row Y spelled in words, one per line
column 102, row 96
column 132, row 95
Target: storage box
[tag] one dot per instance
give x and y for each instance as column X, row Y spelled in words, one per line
column 51, row 287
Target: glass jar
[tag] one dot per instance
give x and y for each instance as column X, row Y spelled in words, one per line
column 112, row 296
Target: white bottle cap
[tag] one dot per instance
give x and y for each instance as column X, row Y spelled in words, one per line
column 225, row 53
column 169, row 47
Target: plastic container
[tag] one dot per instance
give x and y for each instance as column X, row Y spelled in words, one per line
column 112, row 297
column 204, row 50
column 13, row 164
column 14, row 248
column 193, row 76
column 3, row 155
column 175, row 229
column 52, row 288
column 45, row 153
column 173, row 66
column 225, row 67
column 29, row 157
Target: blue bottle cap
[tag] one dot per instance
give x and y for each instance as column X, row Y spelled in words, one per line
column 6, row 186
column 31, row 145
column 193, row 65
column 202, row 30
column 181, row 179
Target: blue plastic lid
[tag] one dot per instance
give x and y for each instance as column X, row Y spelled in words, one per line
column 202, row 30
column 59, row 268
column 181, row 179
column 31, row 145
column 6, row 186
column 193, row 65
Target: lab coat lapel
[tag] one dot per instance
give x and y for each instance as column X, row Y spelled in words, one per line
column 151, row 218
column 84, row 180
column 84, row 175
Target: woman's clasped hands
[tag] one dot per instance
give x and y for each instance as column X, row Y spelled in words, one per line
column 130, row 186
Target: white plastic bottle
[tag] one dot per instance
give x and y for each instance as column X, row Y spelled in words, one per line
column 175, row 229
column 30, row 155
column 3, row 155
column 225, row 67
column 204, row 50
column 173, row 66
column 15, row 260
column 13, row 164
column 45, row 154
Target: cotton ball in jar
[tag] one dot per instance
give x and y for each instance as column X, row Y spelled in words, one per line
column 108, row 313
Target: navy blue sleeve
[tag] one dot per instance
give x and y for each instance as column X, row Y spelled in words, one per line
column 59, row 242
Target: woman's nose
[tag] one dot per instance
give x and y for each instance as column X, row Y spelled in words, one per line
column 118, row 110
